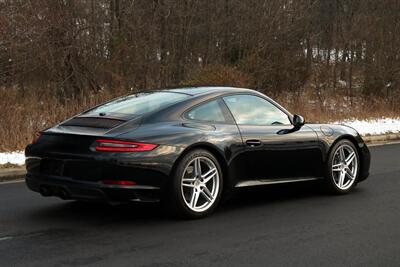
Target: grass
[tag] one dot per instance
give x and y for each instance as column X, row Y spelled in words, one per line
column 10, row 166
column 24, row 114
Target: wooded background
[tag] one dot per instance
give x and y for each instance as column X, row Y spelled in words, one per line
column 76, row 53
column 75, row 47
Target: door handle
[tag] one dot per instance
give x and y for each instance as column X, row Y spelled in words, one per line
column 253, row 143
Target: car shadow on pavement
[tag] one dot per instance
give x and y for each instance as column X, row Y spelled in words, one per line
column 242, row 201
column 262, row 195
column 97, row 214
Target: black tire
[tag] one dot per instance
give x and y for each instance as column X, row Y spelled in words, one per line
column 175, row 202
column 329, row 180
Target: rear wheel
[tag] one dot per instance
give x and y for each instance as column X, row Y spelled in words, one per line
column 342, row 167
column 197, row 185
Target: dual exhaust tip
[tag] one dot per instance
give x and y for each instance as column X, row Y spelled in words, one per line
column 59, row 192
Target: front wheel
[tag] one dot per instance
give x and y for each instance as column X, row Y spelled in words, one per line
column 197, row 185
column 342, row 167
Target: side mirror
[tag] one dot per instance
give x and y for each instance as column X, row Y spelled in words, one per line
column 298, row 121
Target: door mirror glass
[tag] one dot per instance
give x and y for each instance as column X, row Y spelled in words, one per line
column 298, row 121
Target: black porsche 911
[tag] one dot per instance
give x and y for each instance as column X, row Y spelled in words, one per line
column 188, row 147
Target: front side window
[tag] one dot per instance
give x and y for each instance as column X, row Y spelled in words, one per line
column 210, row 111
column 254, row 110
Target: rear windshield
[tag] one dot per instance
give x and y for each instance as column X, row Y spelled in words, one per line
column 136, row 104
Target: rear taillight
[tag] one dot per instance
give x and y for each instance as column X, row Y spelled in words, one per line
column 36, row 138
column 109, row 145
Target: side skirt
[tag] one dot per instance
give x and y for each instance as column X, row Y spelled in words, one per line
column 274, row 181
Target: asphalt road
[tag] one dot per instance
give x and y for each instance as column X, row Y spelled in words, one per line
column 291, row 225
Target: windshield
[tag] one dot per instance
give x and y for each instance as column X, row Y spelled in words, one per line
column 136, row 104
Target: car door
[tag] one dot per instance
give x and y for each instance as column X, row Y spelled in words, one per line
column 272, row 147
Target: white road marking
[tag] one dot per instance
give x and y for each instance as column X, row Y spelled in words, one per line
column 28, row 235
column 4, row 238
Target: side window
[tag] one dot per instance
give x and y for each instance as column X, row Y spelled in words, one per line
column 254, row 110
column 210, row 111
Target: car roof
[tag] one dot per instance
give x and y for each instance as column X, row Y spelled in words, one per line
column 198, row 94
column 204, row 90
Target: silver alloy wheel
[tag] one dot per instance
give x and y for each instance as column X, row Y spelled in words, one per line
column 200, row 184
column 344, row 166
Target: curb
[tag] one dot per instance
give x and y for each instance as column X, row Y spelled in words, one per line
column 383, row 138
column 12, row 174
column 19, row 173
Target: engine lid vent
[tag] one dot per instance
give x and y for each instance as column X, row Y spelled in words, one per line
column 93, row 122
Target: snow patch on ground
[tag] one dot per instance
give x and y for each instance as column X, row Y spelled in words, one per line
column 364, row 127
column 16, row 158
column 375, row 126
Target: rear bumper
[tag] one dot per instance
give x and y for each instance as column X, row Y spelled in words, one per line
column 79, row 176
column 68, row 188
